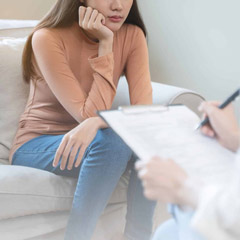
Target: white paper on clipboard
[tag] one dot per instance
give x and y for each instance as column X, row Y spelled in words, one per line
column 169, row 132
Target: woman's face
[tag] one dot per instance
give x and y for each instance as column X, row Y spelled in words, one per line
column 115, row 11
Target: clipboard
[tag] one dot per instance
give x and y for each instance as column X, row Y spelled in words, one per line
column 168, row 132
column 134, row 110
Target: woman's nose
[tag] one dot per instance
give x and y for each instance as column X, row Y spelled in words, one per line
column 117, row 5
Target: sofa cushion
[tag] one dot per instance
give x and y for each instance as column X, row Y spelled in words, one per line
column 38, row 226
column 13, row 90
column 26, row 191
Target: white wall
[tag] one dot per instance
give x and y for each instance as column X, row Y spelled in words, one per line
column 193, row 43
column 24, row 9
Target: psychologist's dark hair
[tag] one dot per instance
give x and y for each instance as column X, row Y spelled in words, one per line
column 63, row 14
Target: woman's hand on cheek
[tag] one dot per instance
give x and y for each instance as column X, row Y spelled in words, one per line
column 78, row 139
column 93, row 22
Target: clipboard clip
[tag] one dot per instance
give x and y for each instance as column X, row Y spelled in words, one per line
column 140, row 109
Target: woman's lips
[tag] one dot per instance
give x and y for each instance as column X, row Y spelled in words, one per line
column 115, row 19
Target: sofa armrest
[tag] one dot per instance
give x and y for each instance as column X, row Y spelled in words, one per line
column 167, row 94
column 162, row 94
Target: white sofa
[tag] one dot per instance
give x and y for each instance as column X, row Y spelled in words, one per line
column 35, row 204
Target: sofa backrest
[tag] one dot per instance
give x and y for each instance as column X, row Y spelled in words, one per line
column 16, row 28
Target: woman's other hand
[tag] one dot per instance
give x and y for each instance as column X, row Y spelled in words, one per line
column 223, row 124
column 78, row 138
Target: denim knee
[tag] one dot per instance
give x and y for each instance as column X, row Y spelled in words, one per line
column 111, row 146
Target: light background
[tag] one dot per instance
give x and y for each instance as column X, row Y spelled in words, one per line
column 192, row 43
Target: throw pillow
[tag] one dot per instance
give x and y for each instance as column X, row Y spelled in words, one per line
column 13, row 91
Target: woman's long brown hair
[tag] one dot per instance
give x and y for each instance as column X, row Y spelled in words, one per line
column 63, row 14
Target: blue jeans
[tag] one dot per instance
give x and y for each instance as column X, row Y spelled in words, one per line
column 178, row 228
column 103, row 163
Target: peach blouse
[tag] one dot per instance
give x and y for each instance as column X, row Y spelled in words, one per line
column 72, row 82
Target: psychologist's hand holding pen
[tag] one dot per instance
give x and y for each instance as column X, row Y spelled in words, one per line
column 220, row 122
column 164, row 180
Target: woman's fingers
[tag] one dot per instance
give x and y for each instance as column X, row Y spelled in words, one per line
column 100, row 20
column 87, row 17
column 82, row 11
column 92, row 19
column 80, row 155
column 59, row 152
column 66, row 153
column 72, row 156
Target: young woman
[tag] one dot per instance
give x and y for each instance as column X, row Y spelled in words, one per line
column 73, row 61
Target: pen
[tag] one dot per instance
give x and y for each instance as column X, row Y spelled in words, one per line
column 223, row 105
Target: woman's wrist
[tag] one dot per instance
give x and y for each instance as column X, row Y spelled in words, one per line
column 100, row 123
column 93, row 122
column 105, row 47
